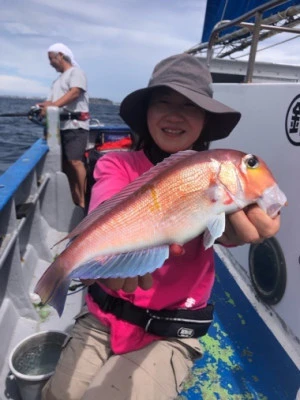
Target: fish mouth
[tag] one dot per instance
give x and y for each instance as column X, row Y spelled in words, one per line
column 272, row 200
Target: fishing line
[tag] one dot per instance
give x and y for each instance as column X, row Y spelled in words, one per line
column 267, row 47
column 76, row 288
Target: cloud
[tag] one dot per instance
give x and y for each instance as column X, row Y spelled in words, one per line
column 117, row 43
column 16, row 28
column 21, row 86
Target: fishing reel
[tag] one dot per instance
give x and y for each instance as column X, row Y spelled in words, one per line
column 34, row 115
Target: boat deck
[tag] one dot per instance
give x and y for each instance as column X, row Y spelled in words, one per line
column 243, row 360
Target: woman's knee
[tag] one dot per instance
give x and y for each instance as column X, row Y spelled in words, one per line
column 84, row 353
column 155, row 372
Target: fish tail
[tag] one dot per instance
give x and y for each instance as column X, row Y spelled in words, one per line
column 53, row 285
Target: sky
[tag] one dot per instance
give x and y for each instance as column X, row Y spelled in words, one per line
column 116, row 42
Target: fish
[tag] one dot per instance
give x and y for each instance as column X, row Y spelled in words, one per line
column 185, row 195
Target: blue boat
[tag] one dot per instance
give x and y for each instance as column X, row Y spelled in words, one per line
column 252, row 349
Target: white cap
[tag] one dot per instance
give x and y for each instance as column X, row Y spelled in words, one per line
column 62, row 48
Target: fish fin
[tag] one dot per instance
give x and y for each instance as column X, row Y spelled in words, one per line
column 215, row 228
column 59, row 296
column 216, row 193
column 53, row 286
column 85, row 223
column 240, row 202
column 62, row 240
column 118, row 198
column 123, row 265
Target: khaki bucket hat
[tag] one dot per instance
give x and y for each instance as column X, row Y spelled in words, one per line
column 187, row 75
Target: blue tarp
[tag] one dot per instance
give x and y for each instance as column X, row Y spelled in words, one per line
column 217, row 10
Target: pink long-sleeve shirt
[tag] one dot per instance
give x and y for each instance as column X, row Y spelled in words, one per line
column 182, row 282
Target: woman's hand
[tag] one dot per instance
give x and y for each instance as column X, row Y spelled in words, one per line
column 127, row 284
column 250, row 225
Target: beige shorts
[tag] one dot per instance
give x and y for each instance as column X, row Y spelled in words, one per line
column 88, row 369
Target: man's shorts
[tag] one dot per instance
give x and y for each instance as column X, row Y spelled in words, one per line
column 74, row 143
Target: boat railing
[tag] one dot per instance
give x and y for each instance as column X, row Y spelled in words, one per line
column 31, row 191
column 36, row 210
column 101, row 133
column 248, row 28
column 95, row 123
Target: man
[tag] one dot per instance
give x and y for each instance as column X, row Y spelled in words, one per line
column 69, row 93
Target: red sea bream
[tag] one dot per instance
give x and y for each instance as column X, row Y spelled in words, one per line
column 186, row 195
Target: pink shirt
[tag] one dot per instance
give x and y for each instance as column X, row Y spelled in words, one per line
column 182, row 282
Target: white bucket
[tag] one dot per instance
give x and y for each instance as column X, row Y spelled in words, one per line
column 33, row 361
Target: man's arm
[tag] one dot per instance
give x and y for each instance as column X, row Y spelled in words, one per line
column 67, row 98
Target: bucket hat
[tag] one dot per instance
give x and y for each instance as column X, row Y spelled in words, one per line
column 189, row 76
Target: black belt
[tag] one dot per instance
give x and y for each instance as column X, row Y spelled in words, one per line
column 70, row 115
column 168, row 323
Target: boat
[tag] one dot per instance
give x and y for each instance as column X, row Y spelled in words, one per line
column 252, row 349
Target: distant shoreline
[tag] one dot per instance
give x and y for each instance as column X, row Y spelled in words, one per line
column 93, row 100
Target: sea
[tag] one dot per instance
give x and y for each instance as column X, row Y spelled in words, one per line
column 18, row 133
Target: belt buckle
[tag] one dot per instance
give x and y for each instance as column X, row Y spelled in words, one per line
column 149, row 320
column 108, row 303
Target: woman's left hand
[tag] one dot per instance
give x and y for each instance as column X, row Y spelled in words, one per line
column 250, row 225
column 127, row 284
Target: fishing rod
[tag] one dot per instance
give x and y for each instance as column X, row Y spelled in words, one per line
column 14, row 115
column 33, row 110
column 34, row 115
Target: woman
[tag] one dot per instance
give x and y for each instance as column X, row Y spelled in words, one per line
column 116, row 350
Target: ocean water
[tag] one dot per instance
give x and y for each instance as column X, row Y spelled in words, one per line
column 17, row 134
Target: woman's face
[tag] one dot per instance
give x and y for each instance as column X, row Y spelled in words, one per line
column 174, row 122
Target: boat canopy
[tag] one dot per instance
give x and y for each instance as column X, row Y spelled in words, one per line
column 245, row 30
column 219, row 10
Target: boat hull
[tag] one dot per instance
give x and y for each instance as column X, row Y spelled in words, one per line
column 242, row 358
column 265, row 130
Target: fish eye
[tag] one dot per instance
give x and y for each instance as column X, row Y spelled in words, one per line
column 251, row 161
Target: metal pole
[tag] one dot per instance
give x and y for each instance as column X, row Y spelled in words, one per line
column 255, row 39
column 221, row 25
column 271, row 28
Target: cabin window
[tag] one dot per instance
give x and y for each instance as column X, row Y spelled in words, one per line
column 268, row 270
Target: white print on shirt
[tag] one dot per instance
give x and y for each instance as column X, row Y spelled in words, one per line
column 190, row 302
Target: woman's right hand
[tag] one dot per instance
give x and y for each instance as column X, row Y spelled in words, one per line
column 129, row 284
